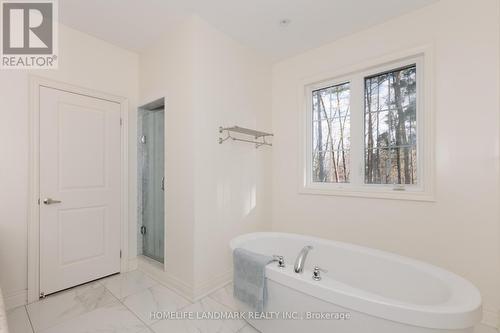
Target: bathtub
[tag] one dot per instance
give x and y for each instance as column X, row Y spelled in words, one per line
column 364, row 290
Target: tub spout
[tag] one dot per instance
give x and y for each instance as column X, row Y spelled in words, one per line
column 301, row 259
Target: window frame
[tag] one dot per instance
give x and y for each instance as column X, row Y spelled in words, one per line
column 423, row 190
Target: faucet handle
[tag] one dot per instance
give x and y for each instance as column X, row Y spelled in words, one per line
column 317, row 273
column 280, row 260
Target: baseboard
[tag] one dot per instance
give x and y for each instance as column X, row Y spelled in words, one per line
column 193, row 294
column 179, row 286
column 210, row 286
column 156, row 271
column 15, row 299
column 491, row 318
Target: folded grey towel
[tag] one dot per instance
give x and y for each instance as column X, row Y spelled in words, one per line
column 249, row 278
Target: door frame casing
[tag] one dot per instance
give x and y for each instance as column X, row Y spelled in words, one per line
column 36, row 83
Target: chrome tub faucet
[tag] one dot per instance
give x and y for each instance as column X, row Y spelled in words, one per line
column 301, row 259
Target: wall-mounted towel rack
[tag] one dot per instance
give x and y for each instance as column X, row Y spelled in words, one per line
column 260, row 137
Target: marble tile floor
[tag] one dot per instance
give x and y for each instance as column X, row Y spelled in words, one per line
column 122, row 304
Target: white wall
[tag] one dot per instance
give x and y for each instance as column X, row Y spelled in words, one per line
column 84, row 61
column 166, row 70
column 460, row 231
column 213, row 191
column 232, row 184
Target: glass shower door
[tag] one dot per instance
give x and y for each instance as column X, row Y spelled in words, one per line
column 153, row 184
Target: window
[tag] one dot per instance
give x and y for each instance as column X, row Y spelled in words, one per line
column 331, row 124
column 365, row 133
column 391, row 127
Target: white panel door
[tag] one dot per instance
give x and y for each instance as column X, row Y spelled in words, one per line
column 80, row 167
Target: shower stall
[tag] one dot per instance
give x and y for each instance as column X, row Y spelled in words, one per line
column 151, row 180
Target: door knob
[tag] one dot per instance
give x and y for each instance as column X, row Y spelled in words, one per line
column 50, row 201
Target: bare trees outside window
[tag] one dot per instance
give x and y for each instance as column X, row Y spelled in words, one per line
column 391, row 127
column 331, row 134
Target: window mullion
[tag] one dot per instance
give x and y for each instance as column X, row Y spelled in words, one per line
column 357, row 130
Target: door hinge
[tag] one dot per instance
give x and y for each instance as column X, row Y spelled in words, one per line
column 38, row 201
column 143, row 230
column 121, row 121
column 120, row 253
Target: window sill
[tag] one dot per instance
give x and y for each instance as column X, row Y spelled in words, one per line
column 366, row 192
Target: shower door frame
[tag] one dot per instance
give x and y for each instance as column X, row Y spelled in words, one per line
column 36, row 82
column 142, row 255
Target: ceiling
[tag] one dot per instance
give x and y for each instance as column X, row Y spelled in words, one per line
column 135, row 24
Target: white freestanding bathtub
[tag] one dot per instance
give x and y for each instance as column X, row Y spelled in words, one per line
column 365, row 290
